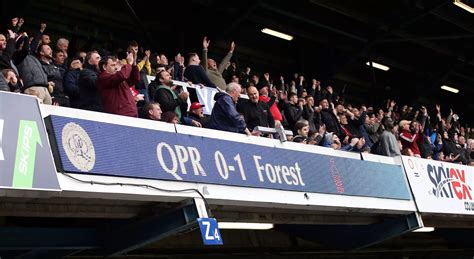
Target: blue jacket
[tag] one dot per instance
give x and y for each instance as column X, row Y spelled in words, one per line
column 224, row 115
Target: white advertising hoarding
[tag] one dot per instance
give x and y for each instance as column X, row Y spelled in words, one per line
column 440, row 187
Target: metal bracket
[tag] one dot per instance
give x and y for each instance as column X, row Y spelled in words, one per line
column 282, row 133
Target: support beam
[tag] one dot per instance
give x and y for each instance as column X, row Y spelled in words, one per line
column 149, row 230
column 350, row 237
column 22, row 238
column 445, row 37
column 312, row 22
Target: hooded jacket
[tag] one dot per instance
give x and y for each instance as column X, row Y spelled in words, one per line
column 225, row 116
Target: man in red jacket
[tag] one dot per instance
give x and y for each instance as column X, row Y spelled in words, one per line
column 114, row 84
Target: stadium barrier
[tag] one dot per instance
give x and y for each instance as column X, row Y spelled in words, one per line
column 228, row 168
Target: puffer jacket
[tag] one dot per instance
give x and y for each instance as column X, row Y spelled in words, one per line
column 32, row 72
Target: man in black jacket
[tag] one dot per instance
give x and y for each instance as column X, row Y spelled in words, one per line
column 256, row 113
column 328, row 117
column 89, row 98
column 293, row 111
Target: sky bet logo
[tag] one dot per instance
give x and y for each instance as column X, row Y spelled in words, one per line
column 449, row 183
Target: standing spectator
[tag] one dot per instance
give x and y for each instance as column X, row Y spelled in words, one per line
column 35, row 80
column 196, row 73
column 309, row 113
column 114, row 85
column 224, row 115
column 178, row 68
column 300, row 87
column 388, row 144
column 213, row 71
column 89, row 96
column 16, row 24
column 62, row 45
column 315, row 90
column 293, row 111
column 144, row 66
column 230, row 72
column 59, row 60
column 372, row 127
column 245, row 77
column 256, row 112
column 71, row 82
column 410, row 136
column 330, row 95
column 437, row 147
column 40, row 38
column 7, row 48
column 451, row 150
column 463, row 147
column 54, row 74
column 271, row 102
column 168, row 99
column 328, row 117
column 471, row 151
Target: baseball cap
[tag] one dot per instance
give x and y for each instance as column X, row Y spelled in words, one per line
column 196, row 105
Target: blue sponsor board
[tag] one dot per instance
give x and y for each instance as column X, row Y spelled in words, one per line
column 109, row 149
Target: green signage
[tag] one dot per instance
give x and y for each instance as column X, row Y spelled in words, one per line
column 28, row 137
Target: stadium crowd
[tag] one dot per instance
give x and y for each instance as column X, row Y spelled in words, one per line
column 116, row 82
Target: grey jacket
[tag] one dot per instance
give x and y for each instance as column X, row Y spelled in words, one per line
column 32, row 72
column 216, row 75
column 3, row 84
column 388, row 144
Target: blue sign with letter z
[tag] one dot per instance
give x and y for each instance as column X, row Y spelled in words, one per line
column 210, row 233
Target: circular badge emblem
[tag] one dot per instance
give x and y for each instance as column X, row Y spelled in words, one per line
column 78, row 147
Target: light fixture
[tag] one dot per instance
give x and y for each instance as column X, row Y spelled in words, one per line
column 425, row 229
column 464, row 6
column 244, row 225
column 450, row 89
column 277, row 34
column 377, row 65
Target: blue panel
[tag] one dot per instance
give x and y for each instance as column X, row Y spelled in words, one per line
column 25, row 156
column 109, row 149
column 210, row 231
